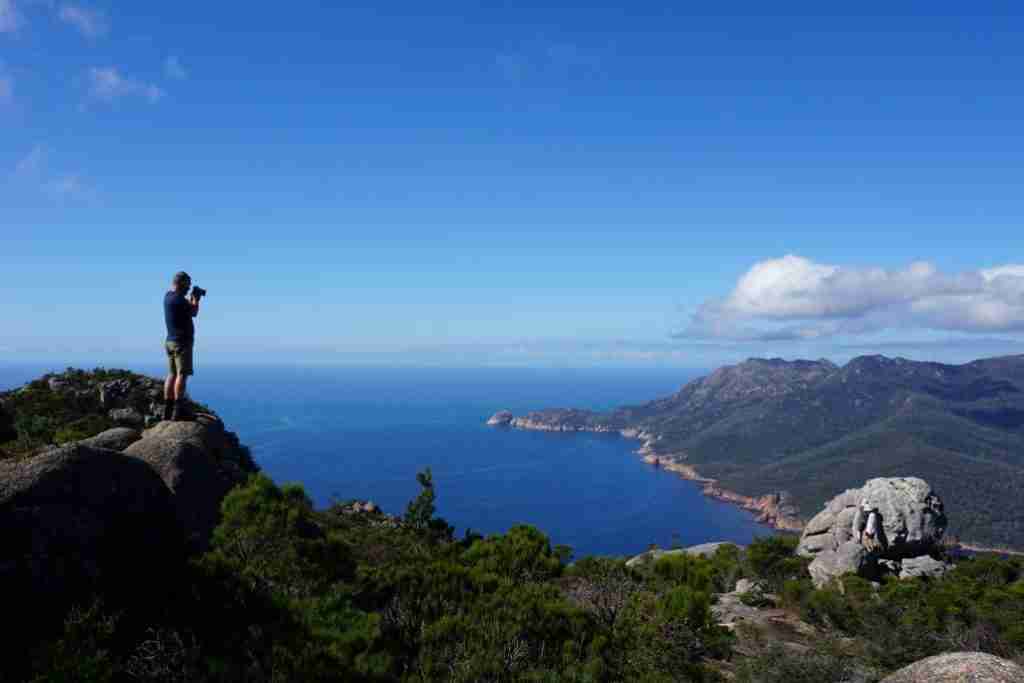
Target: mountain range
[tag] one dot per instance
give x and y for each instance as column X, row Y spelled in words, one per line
column 809, row 428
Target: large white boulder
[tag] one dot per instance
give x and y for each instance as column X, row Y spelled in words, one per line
column 904, row 513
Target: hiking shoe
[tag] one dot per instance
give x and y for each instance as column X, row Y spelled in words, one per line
column 181, row 412
column 168, row 409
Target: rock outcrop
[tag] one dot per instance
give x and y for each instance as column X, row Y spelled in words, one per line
column 777, row 510
column 502, row 418
column 924, row 565
column 874, row 529
column 115, row 513
column 83, row 402
column 127, row 417
column 959, row 667
column 68, row 515
column 703, row 550
column 116, row 439
column 198, row 462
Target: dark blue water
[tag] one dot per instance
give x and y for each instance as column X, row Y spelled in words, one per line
column 364, row 433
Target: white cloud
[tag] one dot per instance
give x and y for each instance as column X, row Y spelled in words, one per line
column 90, row 23
column 793, row 298
column 33, row 172
column 174, row 69
column 10, row 18
column 991, row 274
column 108, row 84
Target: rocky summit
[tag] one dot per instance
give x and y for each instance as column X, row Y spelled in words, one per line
column 66, row 407
column 69, row 510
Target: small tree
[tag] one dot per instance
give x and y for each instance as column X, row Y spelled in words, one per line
column 421, row 509
column 419, row 514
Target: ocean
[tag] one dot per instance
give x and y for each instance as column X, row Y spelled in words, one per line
column 364, row 433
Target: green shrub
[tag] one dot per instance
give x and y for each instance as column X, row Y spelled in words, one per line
column 82, row 428
column 269, row 535
column 693, row 571
column 82, row 653
column 727, row 567
column 756, row 598
column 674, row 634
column 825, row 663
column 604, row 586
column 795, row 592
column 773, row 560
column 521, row 555
column 419, row 514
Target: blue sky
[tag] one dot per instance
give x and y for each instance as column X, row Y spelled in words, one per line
column 479, row 183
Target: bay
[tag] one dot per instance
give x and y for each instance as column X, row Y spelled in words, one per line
column 363, row 433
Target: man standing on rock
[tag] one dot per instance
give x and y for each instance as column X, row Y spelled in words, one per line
column 178, row 314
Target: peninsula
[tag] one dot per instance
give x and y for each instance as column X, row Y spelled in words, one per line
column 780, row 437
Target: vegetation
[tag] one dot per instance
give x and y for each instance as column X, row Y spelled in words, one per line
column 62, row 407
column 290, row 593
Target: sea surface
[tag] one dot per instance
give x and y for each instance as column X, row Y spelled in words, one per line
column 364, row 433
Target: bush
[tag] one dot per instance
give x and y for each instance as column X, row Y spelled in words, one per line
column 826, row 663
column 421, row 510
column 269, row 536
column 978, row 606
column 522, row 555
column 82, row 428
column 604, row 586
column 692, row 571
column 82, row 653
column 773, row 560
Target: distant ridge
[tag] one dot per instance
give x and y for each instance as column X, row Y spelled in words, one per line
column 811, row 428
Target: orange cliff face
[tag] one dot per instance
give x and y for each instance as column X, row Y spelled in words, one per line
column 774, row 509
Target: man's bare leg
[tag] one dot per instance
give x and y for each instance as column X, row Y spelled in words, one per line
column 169, row 396
column 179, row 387
column 180, row 384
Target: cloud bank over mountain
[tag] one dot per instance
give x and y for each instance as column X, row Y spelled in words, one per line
column 794, row 298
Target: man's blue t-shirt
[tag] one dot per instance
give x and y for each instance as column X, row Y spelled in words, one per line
column 178, row 316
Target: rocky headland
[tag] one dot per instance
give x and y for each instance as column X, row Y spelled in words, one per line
column 779, row 437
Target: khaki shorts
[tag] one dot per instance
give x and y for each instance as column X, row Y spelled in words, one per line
column 179, row 358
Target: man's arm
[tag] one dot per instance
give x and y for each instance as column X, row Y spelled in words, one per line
column 193, row 304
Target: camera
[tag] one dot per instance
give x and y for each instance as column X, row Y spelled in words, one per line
column 198, row 292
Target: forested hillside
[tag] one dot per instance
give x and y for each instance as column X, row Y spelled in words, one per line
column 813, row 428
